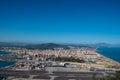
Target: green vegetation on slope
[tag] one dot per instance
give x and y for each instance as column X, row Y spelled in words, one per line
column 69, row 59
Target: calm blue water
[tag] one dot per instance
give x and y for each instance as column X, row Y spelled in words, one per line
column 3, row 52
column 5, row 63
column 111, row 52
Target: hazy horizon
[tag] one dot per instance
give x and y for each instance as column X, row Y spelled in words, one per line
column 68, row 43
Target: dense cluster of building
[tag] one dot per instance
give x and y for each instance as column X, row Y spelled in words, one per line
column 82, row 53
column 38, row 59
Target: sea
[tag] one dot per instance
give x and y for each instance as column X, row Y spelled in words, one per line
column 110, row 52
column 5, row 63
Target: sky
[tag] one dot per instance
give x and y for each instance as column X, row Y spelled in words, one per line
column 60, row 21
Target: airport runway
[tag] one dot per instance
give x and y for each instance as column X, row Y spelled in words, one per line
column 45, row 75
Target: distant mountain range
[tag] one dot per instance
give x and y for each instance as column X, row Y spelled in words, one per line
column 106, row 45
column 54, row 45
column 34, row 46
column 47, row 46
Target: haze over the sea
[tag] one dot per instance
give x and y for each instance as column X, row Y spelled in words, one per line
column 60, row 21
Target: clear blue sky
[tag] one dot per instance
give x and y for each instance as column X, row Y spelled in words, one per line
column 60, row 21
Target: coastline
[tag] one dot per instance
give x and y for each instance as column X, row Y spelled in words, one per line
column 7, row 66
column 10, row 63
column 111, row 61
column 96, row 50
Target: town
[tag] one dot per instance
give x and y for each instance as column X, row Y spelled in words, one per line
column 83, row 57
column 73, row 60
